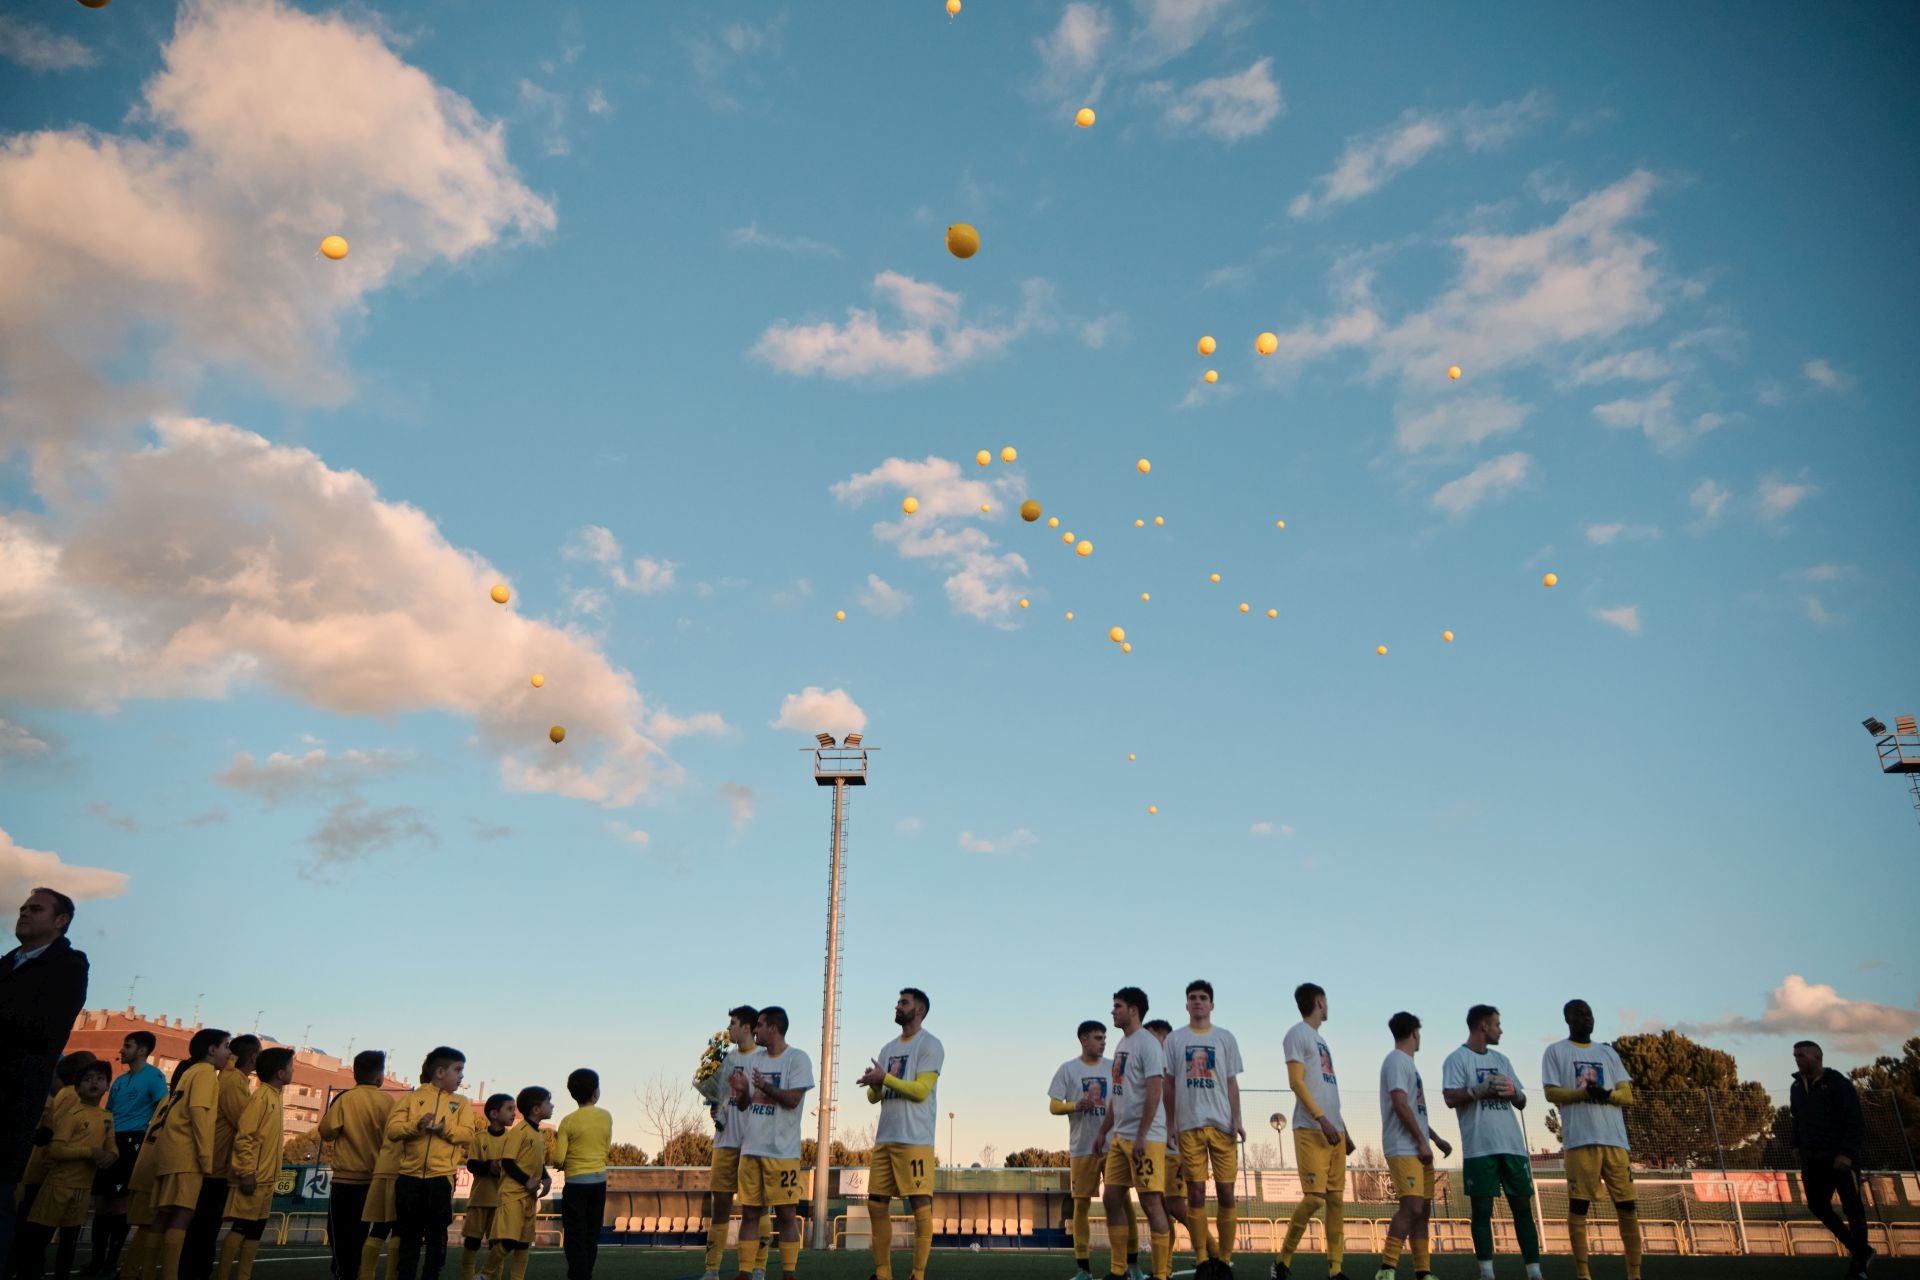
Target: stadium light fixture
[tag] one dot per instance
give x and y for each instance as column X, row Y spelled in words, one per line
column 1899, row 750
column 1874, row 725
column 851, row 740
column 824, row 739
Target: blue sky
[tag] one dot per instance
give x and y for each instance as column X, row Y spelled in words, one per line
column 650, row 317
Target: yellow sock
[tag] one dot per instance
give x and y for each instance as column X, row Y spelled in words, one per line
column 1297, row 1226
column 369, row 1257
column 1336, row 1233
column 1082, row 1229
column 496, row 1260
column 520, row 1259
column 170, row 1246
column 1226, row 1221
column 1202, row 1238
column 469, row 1258
column 1422, row 1253
column 384, row 1255
column 769, row 1234
column 881, row 1220
column 1630, row 1238
column 133, row 1259
column 789, row 1257
column 1162, row 1242
column 716, row 1243
column 922, row 1241
column 247, row 1249
column 1577, row 1236
column 1133, row 1232
column 1390, row 1256
column 229, row 1255
column 750, row 1247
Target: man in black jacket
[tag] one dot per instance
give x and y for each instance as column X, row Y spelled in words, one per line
column 43, row 984
column 1828, row 1132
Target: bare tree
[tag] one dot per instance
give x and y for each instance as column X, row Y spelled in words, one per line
column 671, row 1108
column 1263, row 1155
column 989, row 1156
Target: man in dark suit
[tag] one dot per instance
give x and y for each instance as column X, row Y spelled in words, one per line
column 43, row 984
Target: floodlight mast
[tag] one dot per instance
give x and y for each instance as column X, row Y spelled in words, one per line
column 1899, row 750
column 839, row 766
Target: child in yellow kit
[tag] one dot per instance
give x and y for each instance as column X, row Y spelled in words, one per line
column 258, row 1140
column 82, row 1144
column 483, row 1162
column 523, row 1181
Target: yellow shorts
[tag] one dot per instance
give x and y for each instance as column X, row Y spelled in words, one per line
column 60, row 1206
column 1147, row 1175
column 765, row 1181
column 140, row 1207
column 1322, row 1164
column 178, row 1191
column 1411, row 1176
column 380, row 1201
column 514, row 1218
column 1085, row 1179
column 1208, row 1149
column 479, row 1221
column 900, row 1170
column 724, row 1173
column 249, row 1208
column 1597, row 1172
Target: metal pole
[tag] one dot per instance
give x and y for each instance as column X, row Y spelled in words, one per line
column 823, row 1141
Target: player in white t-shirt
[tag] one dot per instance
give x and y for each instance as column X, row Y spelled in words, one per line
column 1079, row 1092
column 1174, row 1197
column 1590, row 1085
column 1481, row 1087
column 723, row 1177
column 1134, row 1134
column 1407, row 1140
column 1203, row 1064
column 902, row 1079
column 1321, row 1143
column 777, row 1080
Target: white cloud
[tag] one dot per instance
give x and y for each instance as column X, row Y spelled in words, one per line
column 647, row 576
column 1019, row 838
column 283, row 777
column 1458, row 424
column 23, row 869
column 628, row 835
column 1813, row 573
column 932, row 340
column 1370, row 161
column 1605, row 535
column 981, row 581
column 271, row 128
column 883, row 598
column 1070, row 52
column 38, row 49
column 597, row 103
column 1816, row 1011
column 1491, row 479
column 1823, row 374
column 753, row 237
column 1268, row 829
column 1626, row 617
column 1168, row 28
column 1229, row 107
column 816, row 710
column 353, row 830
column 1777, row 498
column 19, row 742
column 722, row 65
column 213, row 560
column 1710, row 500
column 907, row 826
column 740, row 801
column 547, row 110
column 1642, row 365
column 1654, row 415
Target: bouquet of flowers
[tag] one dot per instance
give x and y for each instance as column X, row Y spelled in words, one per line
column 707, row 1081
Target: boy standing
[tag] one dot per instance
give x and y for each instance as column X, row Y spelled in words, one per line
column 355, row 1127
column 258, row 1140
column 778, row 1078
column 429, row 1128
column 131, row 1099
column 82, row 1145
column 580, row 1149
column 523, row 1181
column 483, row 1162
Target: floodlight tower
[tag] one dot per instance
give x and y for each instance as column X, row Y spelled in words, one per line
column 1899, row 751
column 837, row 765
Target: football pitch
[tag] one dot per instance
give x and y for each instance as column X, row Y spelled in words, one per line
column 300, row 1262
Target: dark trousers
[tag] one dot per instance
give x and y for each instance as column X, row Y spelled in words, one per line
column 424, row 1210
column 30, row 1251
column 345, row 1204
column 203, row 1233
column 1822, row 1182
column 583, row 1209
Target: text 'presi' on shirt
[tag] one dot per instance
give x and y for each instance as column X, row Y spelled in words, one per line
column 733, row 1120
column 1305, row 1046
column 1567, row 1065
column 1398, row 1072
column 1488, row 1126
column 1137, row 1062
column 1200, row 1063
column 902, row 1120
column 774, row 1131
column 1077, row 1080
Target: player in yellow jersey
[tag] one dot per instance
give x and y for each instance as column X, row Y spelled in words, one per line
column 380, row 1217
column 778, row 1078
column 183, row 1143
column 1321, row 1143
column 203, row 1233
column 730, row 1126
column 429, row 1129
column 354, row 1130
column 258, row 1141
column 1079, row 1092
column 580, row 1152
column 902, row 1079
column 483, row 1162
column 80, row 1146
column 1592, row 1088
column 1134, row 1134
column 523, row 1181
column 65, row 1096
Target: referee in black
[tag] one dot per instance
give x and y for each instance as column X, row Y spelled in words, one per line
column 1828, row 1132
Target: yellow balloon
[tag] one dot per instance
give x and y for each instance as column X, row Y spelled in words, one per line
column 1266, row 344
column 1213, row 375
column 1381, row 650
column 1453, row 372
column 983, row 457
column 1117, row 634
column 910, row 505
column 1207, row 346
column 1145, row 596
column 1139, row 524
column 1069, row 615
column 1143, row 466
column 538, row 680
column 1159, row 519
column 953, row 8
column 985, row 507
column 1127, row 647
column 1273, row 613
column 1213, row 577
column 1551, row 580
column 558, row 733
column 500, row 593
column 1023, row 603
column 1129, row 756
column 1279, row 524
column 334, row 247
column 1244, row 606
column 1009, row 453
column 1447, row 636
column 962, row 240
column 1053, row 522
column 1084, row 117
column 1083, row 548
column 1030, row 510
column 1066, row 536
column 1153, row 808
column 839, row 615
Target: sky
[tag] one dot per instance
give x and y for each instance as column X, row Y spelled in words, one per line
column 649, row 317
